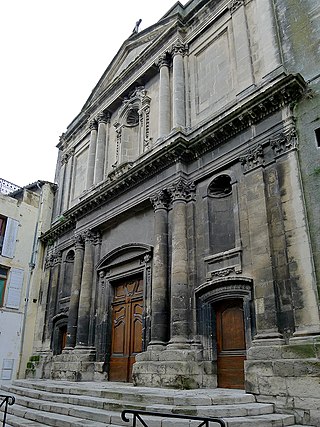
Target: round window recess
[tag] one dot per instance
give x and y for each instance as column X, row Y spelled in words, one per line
column 132, row 117
column 220, row 186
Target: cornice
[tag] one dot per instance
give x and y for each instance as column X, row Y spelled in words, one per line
column 185, row 147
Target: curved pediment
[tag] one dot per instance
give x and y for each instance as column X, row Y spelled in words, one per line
column 123, row 254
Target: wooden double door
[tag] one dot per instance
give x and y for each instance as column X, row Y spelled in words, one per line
column 231, row 343
column 127, row 309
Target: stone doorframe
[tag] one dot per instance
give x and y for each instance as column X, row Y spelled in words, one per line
column 218, row 289
column 121, row 263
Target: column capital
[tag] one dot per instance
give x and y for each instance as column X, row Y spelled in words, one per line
column 163, row 60
column 103, row 117
column 160, row 200
column 181, row 190
column 78, row 240
column 179, row 48
column 89, row 236
column 48, row 261
column 235, row 4
column 93, row 125
column 57, row 257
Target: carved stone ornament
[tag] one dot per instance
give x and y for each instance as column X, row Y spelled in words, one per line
column 179, row 49
column 67, row 155
column 221, row 273
column 181, row 190
column 93, row 125
column 163, row 60
column 78, row 241
column 252, row 158
column 89, row 236
column 49, row 261
column 285, row 142
column 103, row 117
column 235, row 4
column 160, row 200
column 57, row 257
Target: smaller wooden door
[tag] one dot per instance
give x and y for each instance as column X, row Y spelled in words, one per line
column 127, row 309
column 231, row 346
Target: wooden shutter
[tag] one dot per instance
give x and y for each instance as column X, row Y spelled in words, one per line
column 10, row 237
column 15, row 288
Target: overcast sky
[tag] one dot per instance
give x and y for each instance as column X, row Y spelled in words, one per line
column 53, row 53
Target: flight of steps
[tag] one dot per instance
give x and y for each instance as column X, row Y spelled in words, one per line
column 69, row 404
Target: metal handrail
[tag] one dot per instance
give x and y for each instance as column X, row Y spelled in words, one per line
column 204, row 421
column 6, row 400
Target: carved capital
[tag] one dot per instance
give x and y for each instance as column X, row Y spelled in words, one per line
column 235, row 4
column 93, row 125
column 179, row 48
column 97, row 238
column 89, row 237
column 160, row 200
column 66, row 156
column 285, row 142
column 252, row 158
column 78, row 241
column 182, row 190
column 57, row 257
column 103, row 117
column 49, row 261
column 163, row 60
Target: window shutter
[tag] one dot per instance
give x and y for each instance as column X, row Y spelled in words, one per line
column 15, row 288
column 10, row 237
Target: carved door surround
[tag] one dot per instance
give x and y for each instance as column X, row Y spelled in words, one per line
column 225, row 323
column 122, row 310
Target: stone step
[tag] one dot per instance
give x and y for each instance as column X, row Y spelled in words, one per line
column 119, row 391
column 68, row 404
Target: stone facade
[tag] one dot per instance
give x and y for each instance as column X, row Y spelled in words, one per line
column 184, row 249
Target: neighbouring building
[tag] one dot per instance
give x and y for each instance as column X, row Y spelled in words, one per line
column 24, row 214
column 184, row 246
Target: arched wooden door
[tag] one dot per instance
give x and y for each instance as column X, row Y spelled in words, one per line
column 127, row 308
column 231, row 345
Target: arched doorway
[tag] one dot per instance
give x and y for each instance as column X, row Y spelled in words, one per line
column 225, row 322
column 231, row 343
column 127, row 311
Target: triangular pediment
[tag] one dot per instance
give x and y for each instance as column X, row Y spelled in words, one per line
column 132, row 49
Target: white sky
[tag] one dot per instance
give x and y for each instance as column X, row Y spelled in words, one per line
column 53, row 54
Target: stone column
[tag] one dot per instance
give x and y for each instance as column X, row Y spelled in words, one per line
column 62, row 173
column 178, row 95
column 180, row 305
column 45, row 303
column 91, row 153
column 164, row 96
column 52, row 307
column 160, row 302
column 67, row 179
column 265, row 299
column 102, row 120
column 86, row 291
column 75, row 293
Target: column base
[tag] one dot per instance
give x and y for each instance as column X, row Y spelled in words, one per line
column 267, row 339
column 173, row 368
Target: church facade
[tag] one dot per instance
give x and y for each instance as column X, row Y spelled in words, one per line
column 182, row 251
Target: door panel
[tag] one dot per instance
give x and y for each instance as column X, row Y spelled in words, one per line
column 231, row 347
column 127, row 310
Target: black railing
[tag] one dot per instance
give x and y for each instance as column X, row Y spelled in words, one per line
column 4, row 402
column 137, row 416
